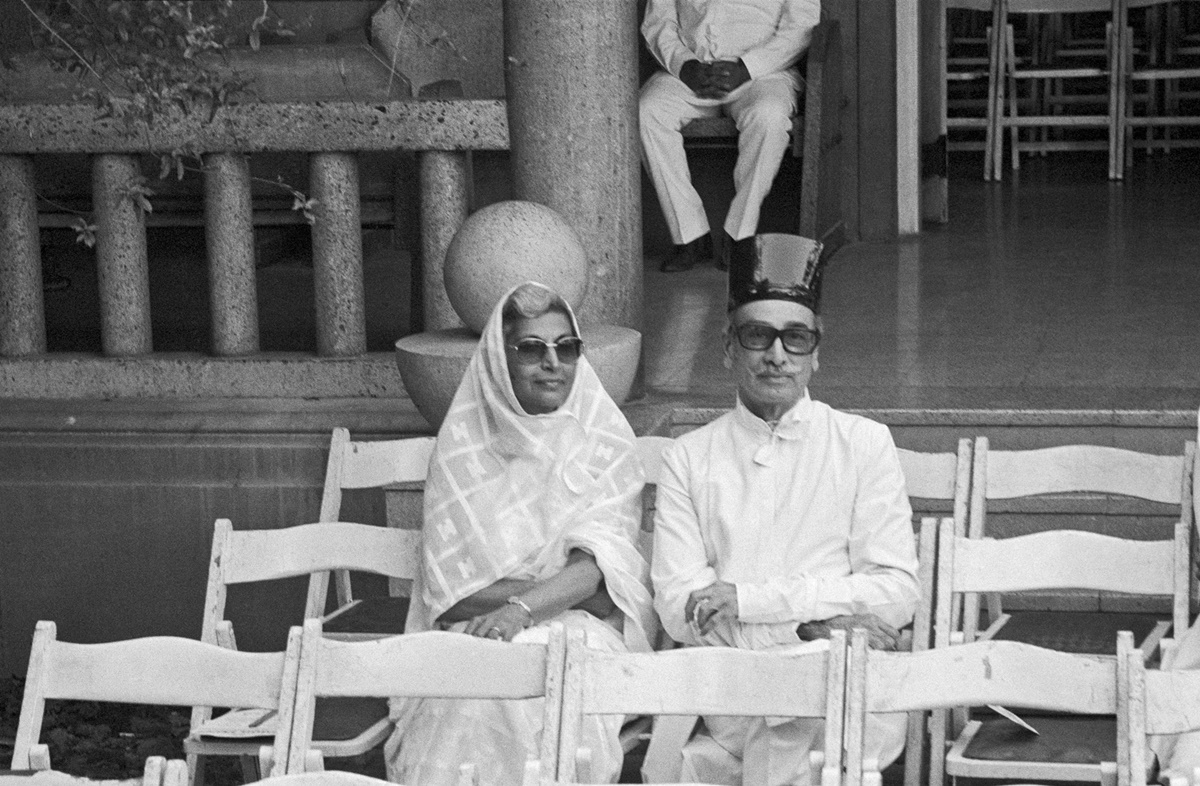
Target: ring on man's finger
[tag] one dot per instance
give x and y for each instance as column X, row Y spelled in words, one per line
column 497, row 631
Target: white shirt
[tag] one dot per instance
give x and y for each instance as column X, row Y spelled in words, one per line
column 768, row 35
column 810, row 520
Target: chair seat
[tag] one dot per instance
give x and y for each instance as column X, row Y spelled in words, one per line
column 1077, row 632
column 341, row 723
column 380, row 616
column 1072, row 739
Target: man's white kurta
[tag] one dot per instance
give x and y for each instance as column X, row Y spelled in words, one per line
column 810, row 520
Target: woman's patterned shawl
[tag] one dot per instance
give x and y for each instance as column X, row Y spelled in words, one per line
column 509, row 494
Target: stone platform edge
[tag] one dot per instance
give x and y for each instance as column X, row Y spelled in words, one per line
column 394, row 415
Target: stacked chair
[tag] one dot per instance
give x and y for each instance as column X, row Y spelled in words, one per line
column 1074, row 75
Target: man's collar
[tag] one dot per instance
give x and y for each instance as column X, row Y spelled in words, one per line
column 789, row 426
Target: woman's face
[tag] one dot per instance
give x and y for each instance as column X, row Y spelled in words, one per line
column 541, row 386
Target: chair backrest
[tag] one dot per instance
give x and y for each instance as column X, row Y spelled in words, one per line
column 1160, row 703
column 1058, row 559
column 1083, row 479
column 807, row 683
column 946, row 478
column 362, row 465
column 433, row 664
column 246, row 556
column 323, row 778
column 159, row 670
column 1004, row 673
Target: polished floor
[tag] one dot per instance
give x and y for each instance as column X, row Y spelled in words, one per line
column 1054, row 290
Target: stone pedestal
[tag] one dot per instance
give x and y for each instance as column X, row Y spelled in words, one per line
column 432, row 364
column 572, row 86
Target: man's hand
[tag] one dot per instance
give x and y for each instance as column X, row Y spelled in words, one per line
column 714, row 604
column 728, row 75
column 701, row 78
column 694, row 74
column 880, row 635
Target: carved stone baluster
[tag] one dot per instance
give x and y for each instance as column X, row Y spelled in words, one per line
column 337, row 255
column 124, row 274
column 229, row 235
column 22, row 314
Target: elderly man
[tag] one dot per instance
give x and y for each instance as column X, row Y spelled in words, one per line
column 780, row 520
column 731, row 56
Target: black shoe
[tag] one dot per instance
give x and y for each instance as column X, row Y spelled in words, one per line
column 686, row 256
column 721, row 260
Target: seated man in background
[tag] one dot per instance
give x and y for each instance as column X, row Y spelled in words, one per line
column 780, row 520
column 731, row 56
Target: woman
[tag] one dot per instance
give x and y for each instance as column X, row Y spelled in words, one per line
column 532, row 505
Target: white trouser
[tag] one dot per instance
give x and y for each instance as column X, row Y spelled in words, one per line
column 762, row 108
column 765, row 752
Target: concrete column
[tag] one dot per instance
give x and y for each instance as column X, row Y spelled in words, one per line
column 229, row 235
column 337, row 255
column 121, row 257
column 443, row 188
column 22, row 313
column 572, row 85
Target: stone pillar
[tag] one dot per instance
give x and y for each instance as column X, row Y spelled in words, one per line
column 22, row 313
column 572, row 84
column 229, row 235
column 443, row 188
column 337, row 255
column 121, row 257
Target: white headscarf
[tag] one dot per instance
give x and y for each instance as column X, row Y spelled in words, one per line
column 509, row 494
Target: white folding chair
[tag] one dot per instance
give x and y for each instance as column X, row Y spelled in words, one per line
column 159, row 670
column 365, row 464
column 1086, row 481
column 1012, row 72
column 1004, row 673
column 348, row 728
column 433, row 664
column 808, row 683
column 1046, row 560
column 944, row 479
column 1161, row 702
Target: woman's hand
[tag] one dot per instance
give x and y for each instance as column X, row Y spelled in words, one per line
column 502, row 624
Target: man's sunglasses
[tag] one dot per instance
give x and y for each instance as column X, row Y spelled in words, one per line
column 796, row 340
column 531, row 351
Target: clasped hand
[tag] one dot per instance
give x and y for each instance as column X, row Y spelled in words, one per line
column 714, row 604
column 880, row 635
column 502, row 624
column 714, row 80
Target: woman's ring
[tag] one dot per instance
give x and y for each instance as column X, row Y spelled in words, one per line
column 497, row 631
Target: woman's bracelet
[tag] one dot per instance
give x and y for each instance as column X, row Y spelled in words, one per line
column 518, row 602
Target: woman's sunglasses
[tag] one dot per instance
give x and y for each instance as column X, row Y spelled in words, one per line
column 531, row 351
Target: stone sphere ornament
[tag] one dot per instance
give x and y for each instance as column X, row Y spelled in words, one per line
column 508, row 243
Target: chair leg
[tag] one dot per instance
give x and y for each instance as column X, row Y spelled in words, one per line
column 914, row 750
column 937, row 747
column 250, row 772
column 992, row 118
column 1011, row 54
column 195, row 764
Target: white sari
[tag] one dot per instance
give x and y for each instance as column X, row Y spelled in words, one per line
column 509, row 495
